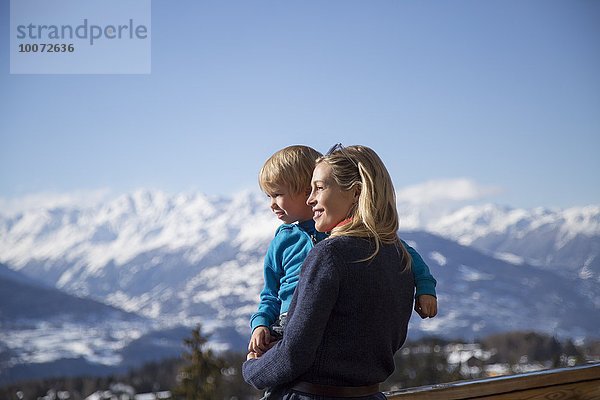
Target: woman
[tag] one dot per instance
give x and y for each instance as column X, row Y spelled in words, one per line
column 351, row 309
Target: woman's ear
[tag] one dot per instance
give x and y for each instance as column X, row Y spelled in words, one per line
column 356, row 195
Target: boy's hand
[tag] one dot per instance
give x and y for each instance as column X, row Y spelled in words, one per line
column 260, row 340
column 426, row 306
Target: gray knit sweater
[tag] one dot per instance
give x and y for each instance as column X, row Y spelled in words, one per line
column 346, row 320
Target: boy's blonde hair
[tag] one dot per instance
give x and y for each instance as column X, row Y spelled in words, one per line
column 375, row 215
column 291, row 167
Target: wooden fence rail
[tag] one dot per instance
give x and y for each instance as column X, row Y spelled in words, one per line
column 577, row 383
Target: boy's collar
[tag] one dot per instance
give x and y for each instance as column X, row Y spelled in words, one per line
column 309, row 223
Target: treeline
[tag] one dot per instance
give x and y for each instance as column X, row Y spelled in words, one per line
column 200, row 373
column 151, row 378
column 148, row 378
column 432, row 360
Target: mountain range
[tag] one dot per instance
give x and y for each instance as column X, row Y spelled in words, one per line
column 119, row 282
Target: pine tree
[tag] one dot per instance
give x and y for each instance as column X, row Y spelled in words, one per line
column 200, row 376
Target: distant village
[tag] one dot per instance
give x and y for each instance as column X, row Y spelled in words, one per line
column 117, row 391
column 424, row 362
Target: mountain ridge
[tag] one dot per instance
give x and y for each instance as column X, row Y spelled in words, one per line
column 179, row 260
column 132, row 223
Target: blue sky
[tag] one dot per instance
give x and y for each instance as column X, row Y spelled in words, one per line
column 503, row 93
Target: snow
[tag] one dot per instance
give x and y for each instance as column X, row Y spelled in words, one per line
column 438, row 258
column 510, row 258
column 472, row 275
column 46, row 342
column 441, row 321
column 471, row 222
column 206, row 253
column 98, row 233
column 153, row 396
column 585, row 273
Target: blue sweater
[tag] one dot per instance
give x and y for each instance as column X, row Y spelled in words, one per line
column 287, row 251
column 346, row 319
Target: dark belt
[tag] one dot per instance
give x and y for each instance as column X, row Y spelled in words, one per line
column 336, row 391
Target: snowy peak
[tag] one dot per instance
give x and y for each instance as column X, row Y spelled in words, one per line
column 473, row 222
column 546, row 237
column 127, row 226
column 95, row 234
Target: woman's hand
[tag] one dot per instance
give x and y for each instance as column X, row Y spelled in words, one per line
column 426, row 306
column 251, row 355
column 260, row 340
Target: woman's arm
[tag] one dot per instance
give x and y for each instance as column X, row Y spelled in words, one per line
column 309, row 312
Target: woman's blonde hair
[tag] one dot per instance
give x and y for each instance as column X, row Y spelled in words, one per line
column 290, row 167
column 375, row 215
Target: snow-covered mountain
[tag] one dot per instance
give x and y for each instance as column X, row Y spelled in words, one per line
column 118, row 230
column 40, row 325
column 564, row 241
column 187, row 258
column 479, row 294
column 174, row 260
column 566, row 238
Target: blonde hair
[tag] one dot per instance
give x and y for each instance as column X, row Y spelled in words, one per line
column 291, row 167
column 375, row 215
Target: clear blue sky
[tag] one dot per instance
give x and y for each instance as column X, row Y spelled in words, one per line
column 506, row 93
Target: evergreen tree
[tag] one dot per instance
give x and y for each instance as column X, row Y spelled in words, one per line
column 200, row 376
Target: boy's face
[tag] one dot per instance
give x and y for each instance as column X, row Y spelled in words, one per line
column 289, row 207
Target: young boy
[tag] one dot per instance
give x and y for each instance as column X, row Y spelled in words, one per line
column 285, row 178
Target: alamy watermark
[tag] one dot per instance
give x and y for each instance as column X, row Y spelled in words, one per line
column 80, row 37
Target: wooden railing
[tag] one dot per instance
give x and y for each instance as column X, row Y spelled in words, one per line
column 577, row 383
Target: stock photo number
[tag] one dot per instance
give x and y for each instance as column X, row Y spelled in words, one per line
column 46, row 48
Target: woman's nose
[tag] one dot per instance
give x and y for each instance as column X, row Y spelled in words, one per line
column 310, row 201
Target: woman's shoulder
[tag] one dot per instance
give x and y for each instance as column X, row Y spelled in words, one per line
column 353, row 246
column 341, row 244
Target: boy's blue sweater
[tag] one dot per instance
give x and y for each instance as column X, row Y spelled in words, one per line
column 287, row 251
